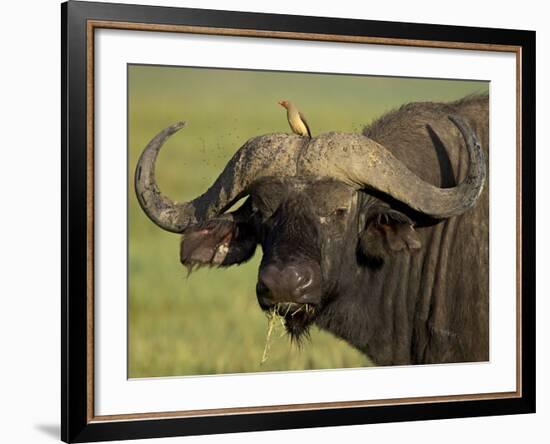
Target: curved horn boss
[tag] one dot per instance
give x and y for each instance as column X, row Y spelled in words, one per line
column 269, row 155
column 351, row 158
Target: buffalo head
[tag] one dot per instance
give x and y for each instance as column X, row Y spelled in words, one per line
column 313, row 205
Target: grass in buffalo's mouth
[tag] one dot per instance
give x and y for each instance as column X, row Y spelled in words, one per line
column 276, row 316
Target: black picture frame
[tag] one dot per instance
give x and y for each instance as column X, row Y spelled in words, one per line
column 76, row 423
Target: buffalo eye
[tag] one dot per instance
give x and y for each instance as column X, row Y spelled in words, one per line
column 261, row 210
column 340, row 213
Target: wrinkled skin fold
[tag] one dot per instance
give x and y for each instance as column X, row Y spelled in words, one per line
column 382, row 236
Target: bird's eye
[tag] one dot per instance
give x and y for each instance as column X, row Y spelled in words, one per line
column 340, row 212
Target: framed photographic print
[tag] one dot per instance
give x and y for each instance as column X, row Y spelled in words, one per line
column 276, row 221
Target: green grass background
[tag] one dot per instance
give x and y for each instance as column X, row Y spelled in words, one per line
column 210, row 323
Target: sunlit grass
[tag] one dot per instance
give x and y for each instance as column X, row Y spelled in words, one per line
column 210, row 322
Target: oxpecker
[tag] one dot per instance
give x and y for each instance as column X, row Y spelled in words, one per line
column 296, row 119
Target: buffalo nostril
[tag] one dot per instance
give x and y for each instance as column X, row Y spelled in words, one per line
column 268, row 279
column 304, row 283
column 264, row 288
column 305, row 279
column 264, row 296
column 261, row 288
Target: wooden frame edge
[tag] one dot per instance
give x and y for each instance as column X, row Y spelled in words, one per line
column 236, row 32
column 90, row 183
column 301, row 407
column 519, row 219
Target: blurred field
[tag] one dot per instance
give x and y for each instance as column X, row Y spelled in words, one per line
column 210, row 322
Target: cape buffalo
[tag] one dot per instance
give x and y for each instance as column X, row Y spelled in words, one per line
column 382, row 236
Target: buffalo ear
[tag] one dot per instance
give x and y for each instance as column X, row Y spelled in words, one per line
column 217, row 242
column 386, row 232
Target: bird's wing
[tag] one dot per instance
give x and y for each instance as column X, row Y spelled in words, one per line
column 305, row 123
